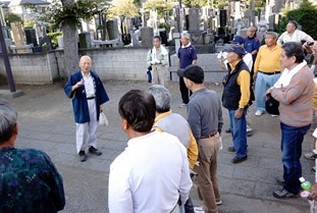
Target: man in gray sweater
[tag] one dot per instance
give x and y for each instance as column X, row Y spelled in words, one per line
column 205, row 119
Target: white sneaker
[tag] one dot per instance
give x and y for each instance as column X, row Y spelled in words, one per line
column 259, row 113
column 218, row 203
column 182, row 105
column 273, row 116
column 199, row 209
column 249, row 129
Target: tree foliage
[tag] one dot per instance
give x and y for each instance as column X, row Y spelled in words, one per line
column 126, row 8
column 11, row 18
column 305, row 15
column 58, row 13
column 161, row 6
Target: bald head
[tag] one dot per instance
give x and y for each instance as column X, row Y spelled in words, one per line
column 85, row 64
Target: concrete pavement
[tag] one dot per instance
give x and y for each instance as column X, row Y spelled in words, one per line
column 46, row 122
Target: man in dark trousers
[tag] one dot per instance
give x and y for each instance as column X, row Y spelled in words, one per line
column 187, row 55
column 205, row 120
column 236, row 98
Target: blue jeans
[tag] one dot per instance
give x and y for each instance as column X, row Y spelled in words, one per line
column 239, row 133
column 262, row 84
column 291, row 146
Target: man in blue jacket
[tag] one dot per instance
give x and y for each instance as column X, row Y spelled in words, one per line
column 88, row 94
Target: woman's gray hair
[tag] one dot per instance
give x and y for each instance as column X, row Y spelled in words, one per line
column 162, row 98
column 8, row 119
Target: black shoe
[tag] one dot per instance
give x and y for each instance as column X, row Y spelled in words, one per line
column 284, row 194
column 82, row 156
column 237, row 159
column 228, row 130
column 231, row 149
column 94, row 151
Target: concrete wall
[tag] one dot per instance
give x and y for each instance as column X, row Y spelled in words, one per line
column 32, row 68
column 208, row 62
column 110, row 64
column 121, row 63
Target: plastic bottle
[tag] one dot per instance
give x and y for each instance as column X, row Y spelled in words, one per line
column 306, row 185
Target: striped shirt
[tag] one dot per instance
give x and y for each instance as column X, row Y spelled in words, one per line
column 296, row 99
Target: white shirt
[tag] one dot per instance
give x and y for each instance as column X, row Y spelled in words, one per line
column 89, row 85
column 149, row 175
column 297, row 36
column 247, row 58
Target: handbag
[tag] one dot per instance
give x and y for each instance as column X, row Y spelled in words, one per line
column 103, row 121
column 149, row 74
column 271, row 105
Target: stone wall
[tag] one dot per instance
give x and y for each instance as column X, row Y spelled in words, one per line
column 110, row 64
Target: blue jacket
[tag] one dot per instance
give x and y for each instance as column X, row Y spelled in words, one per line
column 252, row 44
column 80, row 105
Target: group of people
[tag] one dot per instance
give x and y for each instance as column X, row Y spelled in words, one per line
column 154, row 173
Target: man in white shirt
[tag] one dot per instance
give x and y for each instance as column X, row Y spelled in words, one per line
column 157, row 58
column 152, row 174
column 293, row 34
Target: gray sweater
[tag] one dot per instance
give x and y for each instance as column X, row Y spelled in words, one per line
column 204, row 113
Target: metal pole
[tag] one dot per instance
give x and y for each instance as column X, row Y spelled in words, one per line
column 6, row 60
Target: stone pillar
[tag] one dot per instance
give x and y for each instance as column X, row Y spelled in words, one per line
column 194, row 20
column 147, row 36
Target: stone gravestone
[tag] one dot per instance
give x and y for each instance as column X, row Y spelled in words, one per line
column 112, row 29
column 193, row 20
column 146, row 36
column 84, row 40
column 18, row 36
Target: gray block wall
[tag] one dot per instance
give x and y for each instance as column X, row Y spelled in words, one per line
column 110, row 64
column 208, row 62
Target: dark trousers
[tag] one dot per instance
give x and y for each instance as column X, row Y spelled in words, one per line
column 184, row 91
column 291, row 146
column 189, row 206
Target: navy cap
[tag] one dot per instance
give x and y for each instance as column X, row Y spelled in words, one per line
column 238, row 40
column 236, row 49
column 193, row 72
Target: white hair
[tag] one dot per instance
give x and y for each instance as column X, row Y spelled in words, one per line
column 8, row 118
column 162, row 97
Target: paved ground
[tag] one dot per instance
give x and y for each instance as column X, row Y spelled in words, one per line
column 46, row 123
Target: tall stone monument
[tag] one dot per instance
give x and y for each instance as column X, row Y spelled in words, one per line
column 112, row 29
column 147, row 36
column 193, row 20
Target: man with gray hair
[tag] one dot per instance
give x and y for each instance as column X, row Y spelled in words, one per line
column 267, row 70
column 165, row 122
column 88, row 95
column 187, row 56
column 29, row 180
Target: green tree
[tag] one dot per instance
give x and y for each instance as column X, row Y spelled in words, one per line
column 161, row 6
column 11, row 18
column 66, row 14
column 124, row 8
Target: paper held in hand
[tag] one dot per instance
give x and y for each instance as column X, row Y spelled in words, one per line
column 103, row 121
